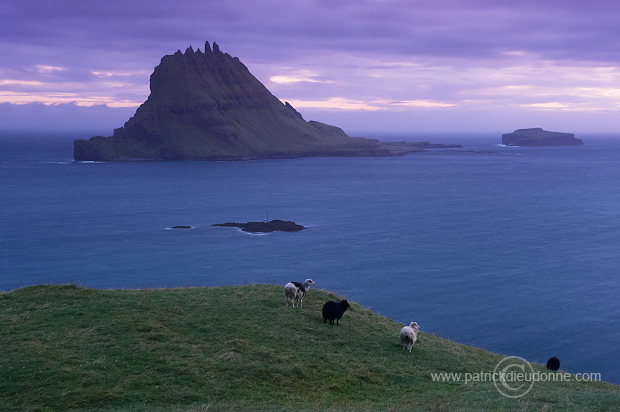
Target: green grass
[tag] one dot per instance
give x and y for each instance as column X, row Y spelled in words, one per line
column 237, row 348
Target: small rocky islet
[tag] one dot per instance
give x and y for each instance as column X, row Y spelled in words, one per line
column 265, row 227
column 536, row 136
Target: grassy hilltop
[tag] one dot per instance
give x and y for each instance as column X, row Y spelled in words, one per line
column 238, row 348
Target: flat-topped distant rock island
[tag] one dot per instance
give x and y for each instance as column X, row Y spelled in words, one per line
column 265, row 227
column 206, row 105
column 539, row 137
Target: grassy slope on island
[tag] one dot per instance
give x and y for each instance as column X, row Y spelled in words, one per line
column 235, row 348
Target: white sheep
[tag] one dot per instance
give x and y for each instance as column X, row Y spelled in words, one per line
column 290, row 293
column 408, row 335
column 295, row 291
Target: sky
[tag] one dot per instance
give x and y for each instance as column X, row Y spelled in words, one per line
column 368, row 66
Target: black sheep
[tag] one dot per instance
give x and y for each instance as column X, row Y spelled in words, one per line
column 553, row 364
column 334, row 311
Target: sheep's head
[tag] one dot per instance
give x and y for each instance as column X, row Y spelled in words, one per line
column 415, row 326
column 309, row 282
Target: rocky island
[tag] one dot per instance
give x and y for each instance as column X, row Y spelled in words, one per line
column 539, row 137
column 266, row 226
column 206, row 105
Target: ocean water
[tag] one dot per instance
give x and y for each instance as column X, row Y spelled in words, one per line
column 515, row 250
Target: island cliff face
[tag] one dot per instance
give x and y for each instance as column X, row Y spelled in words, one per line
column 208, row 106
column 539, row 137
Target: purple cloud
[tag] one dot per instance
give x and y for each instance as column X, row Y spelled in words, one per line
column 443, row 60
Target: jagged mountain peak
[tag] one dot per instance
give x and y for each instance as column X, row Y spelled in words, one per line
column 208, row 106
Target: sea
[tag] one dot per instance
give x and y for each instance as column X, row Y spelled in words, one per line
column 512, row 249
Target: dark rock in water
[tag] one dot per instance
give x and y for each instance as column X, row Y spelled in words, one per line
column 539, row 137
column 181, row 227
column 208, row 106
column 553, row 363
column 265, row 227
column 418, row 146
